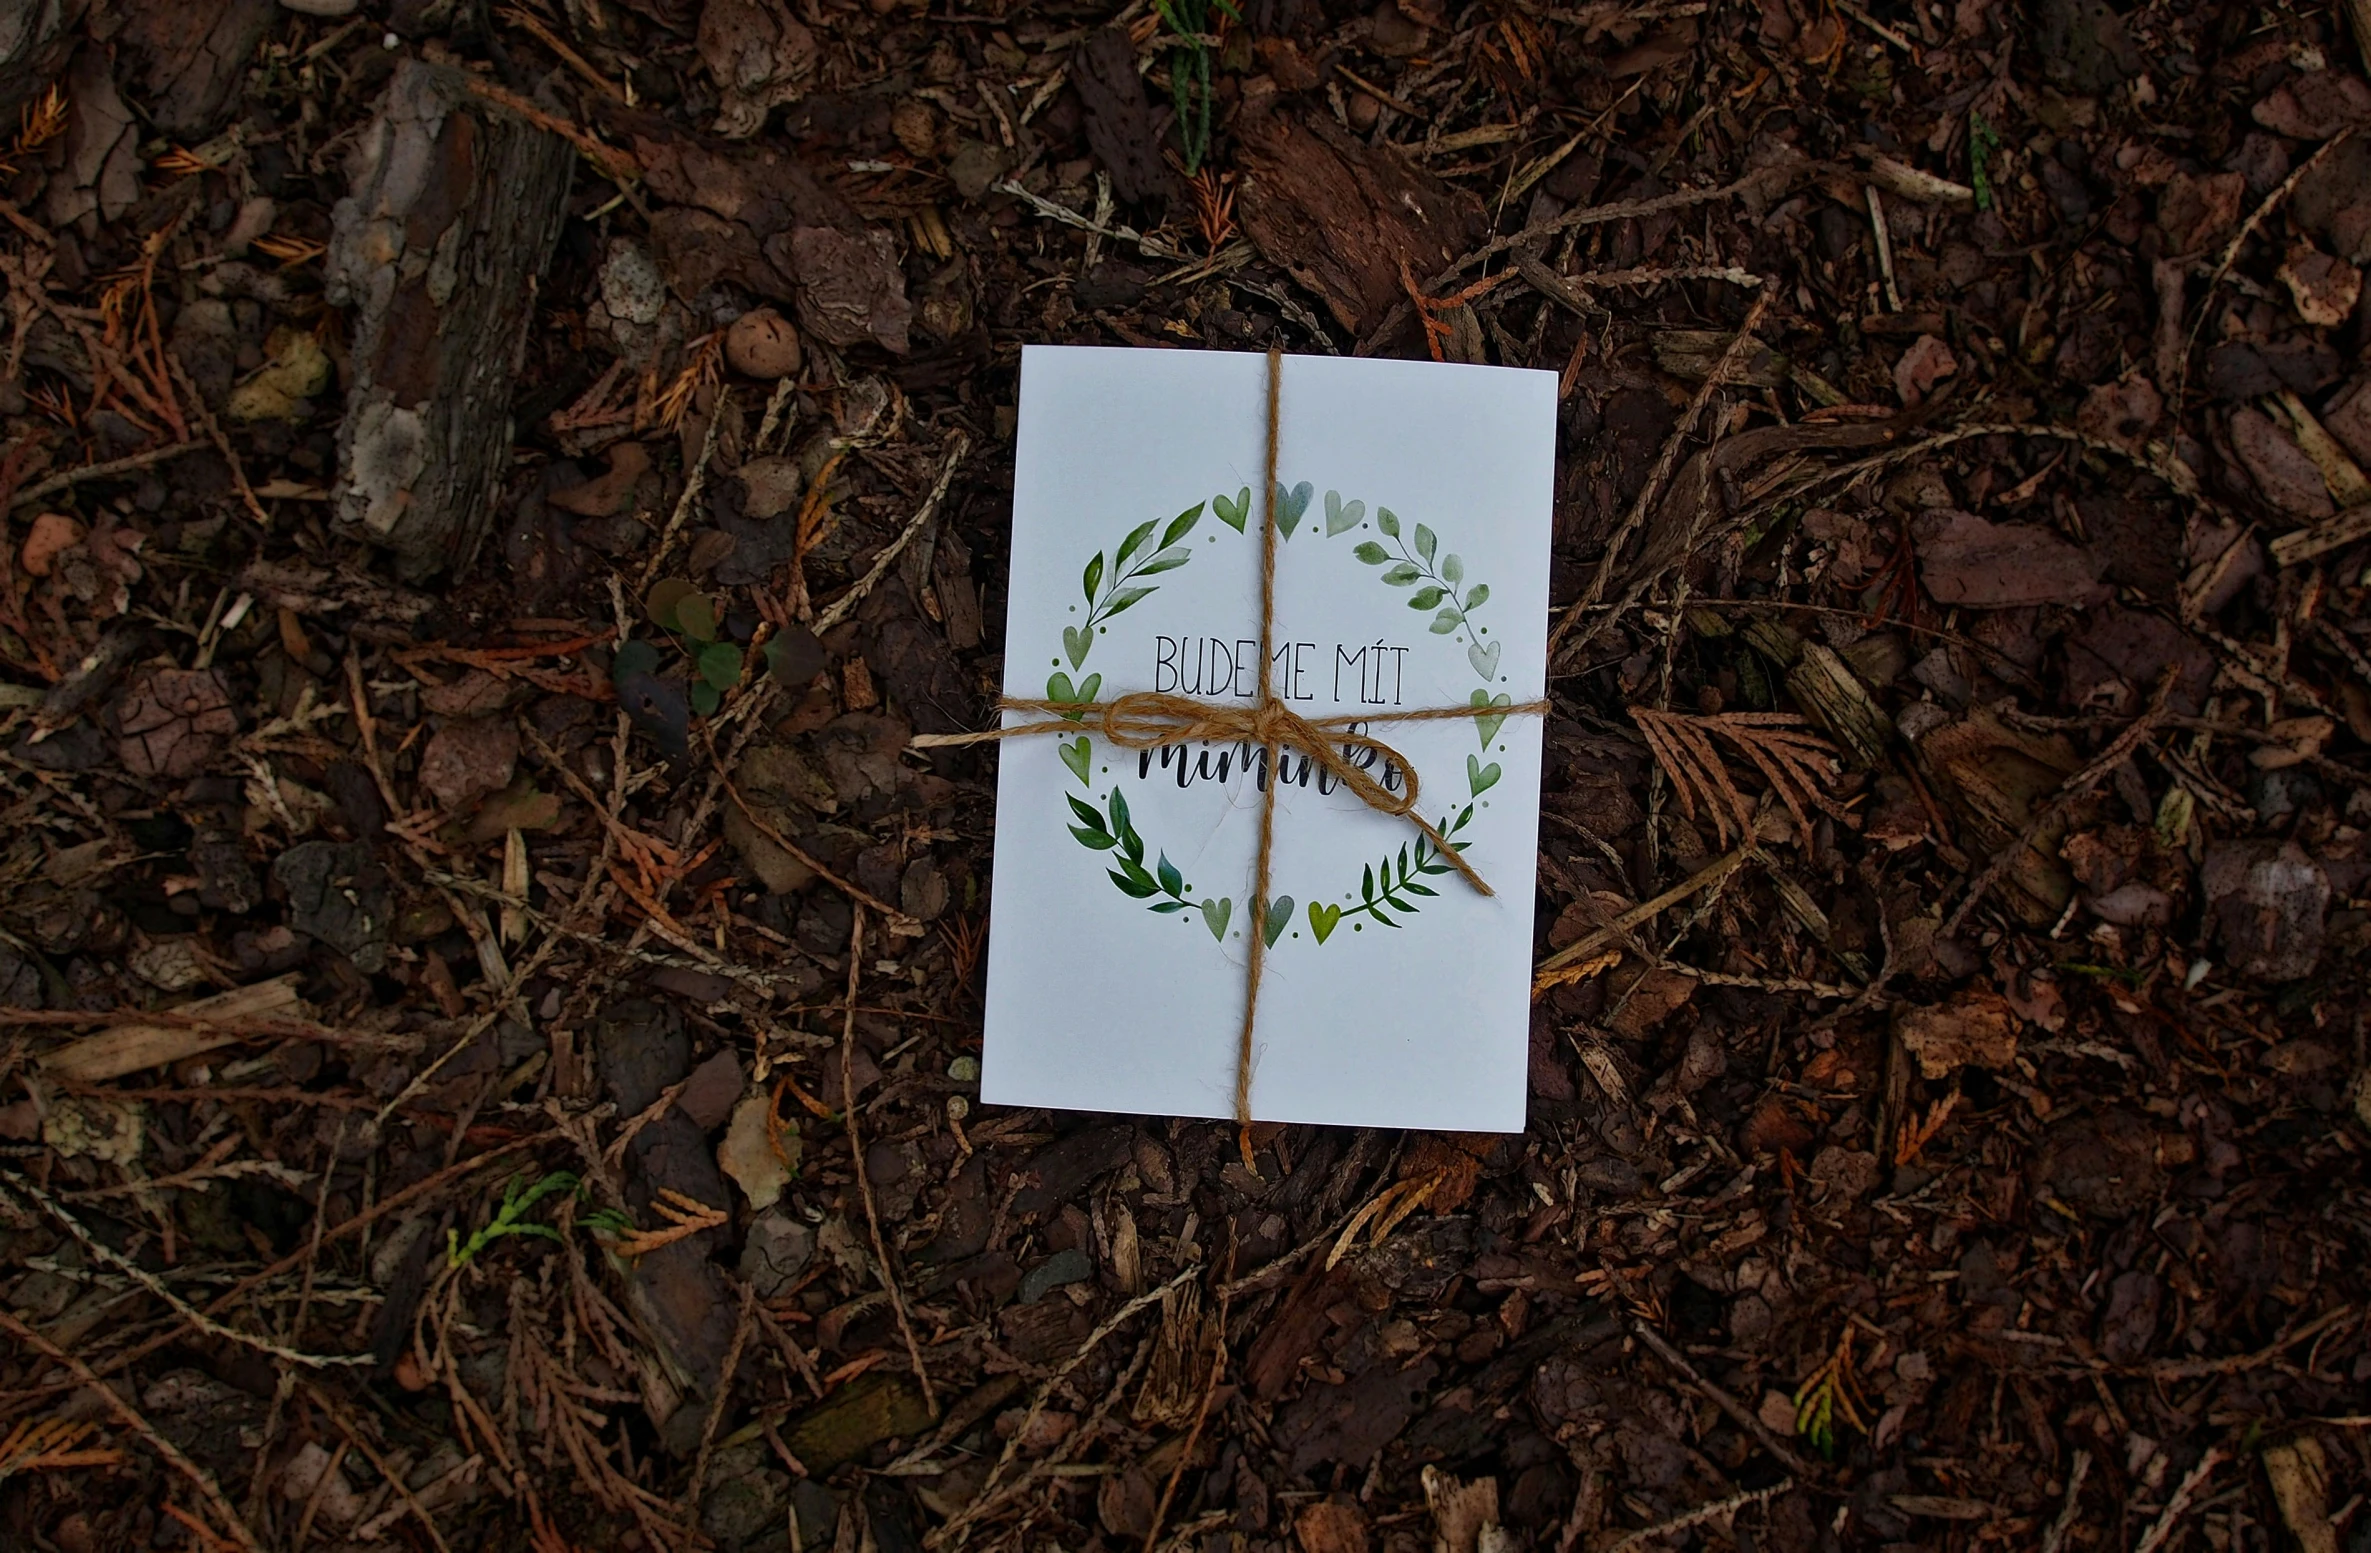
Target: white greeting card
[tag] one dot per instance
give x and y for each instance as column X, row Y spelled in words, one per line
column 1413, row 511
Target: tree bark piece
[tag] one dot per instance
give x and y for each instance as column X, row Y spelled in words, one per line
column 1344, row 217
column 454, row 211
column 36, row 38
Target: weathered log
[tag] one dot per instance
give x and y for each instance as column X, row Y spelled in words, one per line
column 454, row 209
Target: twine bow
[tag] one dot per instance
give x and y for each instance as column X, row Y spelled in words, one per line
column 1148, row 720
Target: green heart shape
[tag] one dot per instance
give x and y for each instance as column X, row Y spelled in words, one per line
column 1486, row 725
column 1233, row 512
column 1076, row 756
column 1341, row 515
column 1290, row 505
column 1059, row 688
column 1485, row 661
column 1076, row 641
column 1280, row 915
column 1214, row 917
column 1479, row 778
column 1323, row 919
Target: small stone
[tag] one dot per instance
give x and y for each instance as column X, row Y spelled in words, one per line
column 975, row 168
column 468, row 758
column 632, row 290
column 761, row 343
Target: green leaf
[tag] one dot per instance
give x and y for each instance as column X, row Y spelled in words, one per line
column 1453, row 569
column 720, row 665
column 1172, row 882
column 1093, row 838
column 1094, row 577
column 1446, row 621
column 696, row 614
column 1425, row 541
column 1403, row 574
column 1214, row 917
column 1166, row 561
column 1134, row 542
column 634, row 656
column 1427, row 596
column 1127, row 597
column 1371, row 553
column 705, row 699
column 1477, row 595
column 1089, row 817
column 1137, row 885
column 1182, row 525
column 1366, row 883
column 660, row 602
column 1419, row 887
column 1388, row 521
column 1167, row 907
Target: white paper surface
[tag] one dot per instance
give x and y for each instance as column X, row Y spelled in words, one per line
column 1098, row 1002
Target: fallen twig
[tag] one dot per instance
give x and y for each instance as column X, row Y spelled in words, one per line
column 723, row 1397
column 2073, row 788
column 957, row 445
column 2055, row 1537
column 2247, row 229
column 1744, row 1416
column 136, row 1423
column 1702, row 1513
column 2169, row 1520
column 155, row 1285
column 864, row 1185
column 1185, row 1457
column 1712, row 873
column 129, row 464
column 1681, row 429
column 693, row 483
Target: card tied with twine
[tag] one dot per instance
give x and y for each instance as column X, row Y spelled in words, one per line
column 1153, row 720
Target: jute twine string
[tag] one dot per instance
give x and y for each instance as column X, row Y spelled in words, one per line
column 1155, row 719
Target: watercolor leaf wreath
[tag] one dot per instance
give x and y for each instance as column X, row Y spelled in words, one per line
column 1115, row 581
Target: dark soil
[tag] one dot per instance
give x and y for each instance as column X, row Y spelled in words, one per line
column 443, row 900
